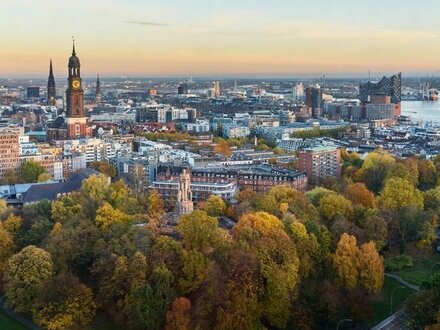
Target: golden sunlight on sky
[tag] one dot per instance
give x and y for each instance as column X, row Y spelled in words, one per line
column 194, row 37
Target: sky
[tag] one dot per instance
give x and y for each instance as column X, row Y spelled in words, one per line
column 177, row 38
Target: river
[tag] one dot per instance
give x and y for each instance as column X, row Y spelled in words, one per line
column 426, row 111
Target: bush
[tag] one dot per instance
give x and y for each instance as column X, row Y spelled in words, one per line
column 397, row 263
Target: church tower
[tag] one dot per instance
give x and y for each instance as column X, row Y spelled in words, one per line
column 51, row 91
column 76, row 120
column 98, row 95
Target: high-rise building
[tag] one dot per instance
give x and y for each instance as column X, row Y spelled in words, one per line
column 51, row 91
column 98, row 96
column 314, row 100
column 76, row 120
column 320, row 163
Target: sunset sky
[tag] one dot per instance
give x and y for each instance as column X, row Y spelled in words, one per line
column 223, row 38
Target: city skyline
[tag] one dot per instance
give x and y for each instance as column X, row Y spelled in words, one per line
column 220, row 39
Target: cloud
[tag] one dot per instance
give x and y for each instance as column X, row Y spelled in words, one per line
column 145, row 23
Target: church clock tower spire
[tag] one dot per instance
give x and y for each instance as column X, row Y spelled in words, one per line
column 76, row 119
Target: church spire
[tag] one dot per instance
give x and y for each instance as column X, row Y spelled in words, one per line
column 73, row 48
column 50, row 69
column 98, row 91
column 51, row 91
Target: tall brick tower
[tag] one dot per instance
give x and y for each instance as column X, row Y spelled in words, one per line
column 76, row 119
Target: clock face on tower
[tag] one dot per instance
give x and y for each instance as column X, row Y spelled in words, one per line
column 76, row 84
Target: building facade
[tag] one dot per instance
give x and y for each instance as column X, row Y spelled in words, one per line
column 320, row 163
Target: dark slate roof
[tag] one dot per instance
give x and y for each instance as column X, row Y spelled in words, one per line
column 51, row 191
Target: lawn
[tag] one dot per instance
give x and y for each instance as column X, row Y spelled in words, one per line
column 6, row 322
column 421, row 270
column 381, row 305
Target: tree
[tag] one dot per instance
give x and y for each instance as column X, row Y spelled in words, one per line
column 427, row 174
column 107, row 216
column 224, row 148
column 263, row 235
column 215, row 206
column 376, row 230
column 146, row 306
column 6, row 247
column 375, row 169
column 359, row 194
column 345, row 261
column 30, row 171
column 156, row 205
column 104, row 167
column 331, row 205
column 43, row 177
column 399, row 170
column 371, row 268
column 315, row 195
column 178, row 318
column 200, row 231
column 398, row 193
column 25, row 274
column 12, row 224
column 64, row 303
column 3, row 206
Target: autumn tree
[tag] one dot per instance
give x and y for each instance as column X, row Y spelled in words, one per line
column 200, row 231
column 332, row 205
column 223, row 147
column 398, row 193
column 359, row 194
column 63, row 303
column 178, row 317
column 107, row 216
column 215, row 206
column 345, row 261
column 25, row 274
column 104, row 167
column 371, row 268
column 6, row 247
column 262, row 235
column 156, row 205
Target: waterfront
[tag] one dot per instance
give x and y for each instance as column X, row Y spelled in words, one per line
column 426, row 111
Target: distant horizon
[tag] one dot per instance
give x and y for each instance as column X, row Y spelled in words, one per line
column 248, row 38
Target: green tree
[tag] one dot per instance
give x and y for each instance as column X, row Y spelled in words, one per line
column 25, row 274
column 146, row 306
column 30, row 171
column 375, row 169
column 64, row 303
